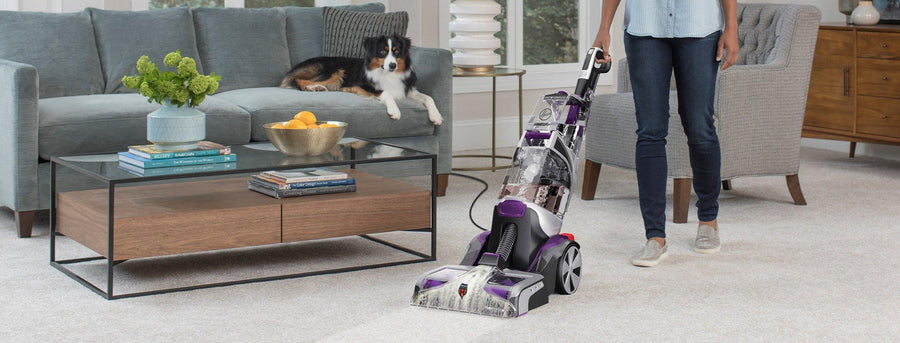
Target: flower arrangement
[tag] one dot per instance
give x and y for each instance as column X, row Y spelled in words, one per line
column 184, row 86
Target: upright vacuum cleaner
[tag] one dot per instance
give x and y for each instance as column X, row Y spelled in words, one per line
column 514, row 267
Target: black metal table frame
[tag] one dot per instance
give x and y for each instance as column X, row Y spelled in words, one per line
column 111, row 263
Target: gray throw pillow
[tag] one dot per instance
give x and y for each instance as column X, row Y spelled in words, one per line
column 60, row 46
column 345, row 30
column 123, row 36
column 247, row 47
column 305, row 27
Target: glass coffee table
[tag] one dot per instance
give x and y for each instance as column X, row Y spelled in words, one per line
column 200, row 227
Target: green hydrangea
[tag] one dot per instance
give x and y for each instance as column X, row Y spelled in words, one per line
column 146, row 90
column 187, row 67
column 144, row 66
column 172, row 59
column 198, row 85
column 133, row 82
column 183, row 86
column 213, row 85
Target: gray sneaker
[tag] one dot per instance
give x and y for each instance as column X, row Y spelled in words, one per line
column 651, row 254
column 707, row 241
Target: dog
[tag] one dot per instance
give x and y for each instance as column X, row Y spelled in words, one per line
column 384, row 74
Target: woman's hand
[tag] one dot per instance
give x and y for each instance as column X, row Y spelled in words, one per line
column 728, row 42
column 602, row 42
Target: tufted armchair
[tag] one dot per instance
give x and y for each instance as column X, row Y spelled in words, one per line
column 760, row 103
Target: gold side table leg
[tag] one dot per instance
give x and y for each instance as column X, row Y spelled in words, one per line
column 521, row 112
column 494, row 123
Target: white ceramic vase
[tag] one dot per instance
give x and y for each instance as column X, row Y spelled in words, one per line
column 176, row 128
column 474, row 28
column 865, row 14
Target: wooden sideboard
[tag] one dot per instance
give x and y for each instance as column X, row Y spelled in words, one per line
column 854, row 87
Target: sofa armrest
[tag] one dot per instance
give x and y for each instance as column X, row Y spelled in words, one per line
column 18, row 136
column 434, row 70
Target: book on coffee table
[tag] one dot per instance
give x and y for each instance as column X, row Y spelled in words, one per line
column 204, row 148
column 304, row 175
column 287, row 193
column 173, row 162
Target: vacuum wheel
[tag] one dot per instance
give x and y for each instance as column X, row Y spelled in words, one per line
column 569, row 271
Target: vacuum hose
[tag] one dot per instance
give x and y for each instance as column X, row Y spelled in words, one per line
column 506, row 241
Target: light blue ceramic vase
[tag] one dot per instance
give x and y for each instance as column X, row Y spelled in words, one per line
column 176, row 128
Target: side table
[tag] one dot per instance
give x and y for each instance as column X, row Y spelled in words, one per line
column 493, row 74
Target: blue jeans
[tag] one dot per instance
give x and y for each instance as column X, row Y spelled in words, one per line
column 650, row 64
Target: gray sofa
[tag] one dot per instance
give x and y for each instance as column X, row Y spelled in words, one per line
column 61, row 90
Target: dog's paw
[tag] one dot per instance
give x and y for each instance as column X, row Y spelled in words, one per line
column 435, row 117
column 316, row 88
column 394, row 113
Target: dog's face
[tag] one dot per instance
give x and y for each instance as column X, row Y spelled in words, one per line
column 389, row 53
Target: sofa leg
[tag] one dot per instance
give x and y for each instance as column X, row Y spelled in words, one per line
column 726, row 185
column 24, row 222
column 852, row 149
column 591, row 177
column 442, row 180
column 682, row 200
column 793, row 183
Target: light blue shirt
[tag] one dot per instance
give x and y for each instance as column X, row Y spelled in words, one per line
column 673, row 18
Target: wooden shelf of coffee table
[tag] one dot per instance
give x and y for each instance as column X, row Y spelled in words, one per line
column 193, row 216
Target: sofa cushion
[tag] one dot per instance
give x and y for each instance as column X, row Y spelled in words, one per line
column 366, row 117
column 60, row 46
column 110, row 122
column 304, row 28
column 345, row 30
column 123, row 36
column 247, row 47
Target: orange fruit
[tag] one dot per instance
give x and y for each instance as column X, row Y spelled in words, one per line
column 306, row 116
column 278, row 126
column 312, row 126
column 328, row 125
column 295, row 124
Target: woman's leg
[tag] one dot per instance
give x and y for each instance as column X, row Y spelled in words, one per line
column 650, row 68
column 695, row 75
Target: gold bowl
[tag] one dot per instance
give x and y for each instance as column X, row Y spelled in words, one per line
column 306, row 142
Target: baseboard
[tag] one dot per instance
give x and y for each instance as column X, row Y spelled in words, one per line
column 476, row 133
column 888, row 152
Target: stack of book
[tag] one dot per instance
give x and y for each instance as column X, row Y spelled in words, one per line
column 297, row 182
column 147, row 160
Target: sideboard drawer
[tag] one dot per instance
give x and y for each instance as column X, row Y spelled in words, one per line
column 878, row 45
column 878, row 77
column 878, row 116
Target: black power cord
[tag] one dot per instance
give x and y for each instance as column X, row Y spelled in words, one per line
column 476, row 197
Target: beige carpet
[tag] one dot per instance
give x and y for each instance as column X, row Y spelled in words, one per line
column 828, row 271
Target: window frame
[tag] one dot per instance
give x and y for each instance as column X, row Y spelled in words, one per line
column 537, row 76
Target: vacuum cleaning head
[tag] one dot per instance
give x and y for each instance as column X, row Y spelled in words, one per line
column 480, row 289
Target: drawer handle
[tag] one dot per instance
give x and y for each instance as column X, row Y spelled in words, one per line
column 884, row 46
column 884, row 116
column 884, row 78
column 846, row 81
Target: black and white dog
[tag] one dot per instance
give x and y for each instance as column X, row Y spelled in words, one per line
column 385, row 74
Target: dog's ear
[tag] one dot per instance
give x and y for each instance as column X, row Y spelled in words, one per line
column 370, row 43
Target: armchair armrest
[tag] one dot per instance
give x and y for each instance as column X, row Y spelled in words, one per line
column 759, row 112
column 434, row 70
column 18, row 136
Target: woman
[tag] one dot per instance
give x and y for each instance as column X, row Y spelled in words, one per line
column 688, row 37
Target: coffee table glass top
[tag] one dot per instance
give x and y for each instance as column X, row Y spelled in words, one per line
column 252, row 157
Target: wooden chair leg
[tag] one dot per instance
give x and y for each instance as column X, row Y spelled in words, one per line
column 793, row 183
column 591, row 177
column 726, row 185
column 442, row 180
column 682, row 200
column 24, row 222
column 852, row 149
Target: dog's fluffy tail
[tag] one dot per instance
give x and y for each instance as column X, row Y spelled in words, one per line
column 287, row 82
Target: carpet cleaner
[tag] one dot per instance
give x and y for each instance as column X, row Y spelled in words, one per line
column 514, row 267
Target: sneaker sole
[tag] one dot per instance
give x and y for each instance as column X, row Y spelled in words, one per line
column 641, row 263
column 708, row 251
